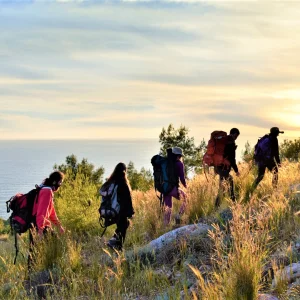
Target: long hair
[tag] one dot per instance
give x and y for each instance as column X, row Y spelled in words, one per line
column 54, row 178
column 119, row 175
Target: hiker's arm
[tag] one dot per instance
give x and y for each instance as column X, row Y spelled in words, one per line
column 44, row 199
column 276, row 152
column 130, row 210
column 232, row 159
column 180, row 172
column 54, row 219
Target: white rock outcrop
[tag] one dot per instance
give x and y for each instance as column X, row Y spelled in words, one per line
column 289, row 274
column 184, row 232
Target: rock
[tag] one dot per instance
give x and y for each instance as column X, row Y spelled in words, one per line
column 225, row 216
column 295, row 188
column 266, row 297
column 184, row 232
column 289, row 273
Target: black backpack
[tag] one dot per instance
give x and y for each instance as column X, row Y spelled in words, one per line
column 262, row 150
column 109, row 207
column 164, row 173
column 21, row 218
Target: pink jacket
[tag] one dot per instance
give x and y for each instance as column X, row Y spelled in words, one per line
column 44, row 210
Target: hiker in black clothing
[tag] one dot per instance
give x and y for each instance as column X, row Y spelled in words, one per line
column 119, row 177
column 223, row 170
column 272, row 163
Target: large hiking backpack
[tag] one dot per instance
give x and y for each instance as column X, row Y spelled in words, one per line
column 262, row 150
column 109, row 208
column 21, row 206
column 214, row 155
column 164, row 173
column 21, row 218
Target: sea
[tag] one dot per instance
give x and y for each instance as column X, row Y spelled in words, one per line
column 24, row 163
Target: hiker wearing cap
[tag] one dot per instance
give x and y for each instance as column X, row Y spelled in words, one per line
column 176, row 155
column 270, row 159
column 223, row 170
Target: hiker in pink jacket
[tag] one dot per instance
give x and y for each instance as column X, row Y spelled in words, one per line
column 44, row 215
column 176, row 192
column 43, row 209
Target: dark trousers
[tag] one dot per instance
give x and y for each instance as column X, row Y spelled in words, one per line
column 261, row 173
column 121, row 229
column 223, row 172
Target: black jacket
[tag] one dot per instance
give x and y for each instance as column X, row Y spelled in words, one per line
column 125, row 200
column 229, row 153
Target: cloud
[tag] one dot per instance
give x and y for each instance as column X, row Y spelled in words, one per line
column 143, row 65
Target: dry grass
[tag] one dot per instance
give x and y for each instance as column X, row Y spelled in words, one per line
column 82, row 268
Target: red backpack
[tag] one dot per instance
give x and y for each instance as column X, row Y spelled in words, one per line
column 22, row 206
column 214, row 155
column 21, row 218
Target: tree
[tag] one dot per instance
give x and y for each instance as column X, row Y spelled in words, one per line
column 193, row 155
column 290, row 150
column 72, row 167
column 142, row 180
column 248, row 152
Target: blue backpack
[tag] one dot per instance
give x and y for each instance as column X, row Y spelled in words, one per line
column 262, row 150
column 164, row 173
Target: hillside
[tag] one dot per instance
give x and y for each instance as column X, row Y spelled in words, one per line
column 237, row 253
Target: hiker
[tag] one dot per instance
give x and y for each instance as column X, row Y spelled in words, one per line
column 44, row 215
column 43, row 209
column 271, row 161
column 176, row 154
column 223, row 170
column 119, row 177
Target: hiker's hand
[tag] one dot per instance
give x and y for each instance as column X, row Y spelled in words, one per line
column 237, row 174
column 61, row 230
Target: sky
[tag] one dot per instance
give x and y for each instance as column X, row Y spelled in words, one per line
column 126, row 69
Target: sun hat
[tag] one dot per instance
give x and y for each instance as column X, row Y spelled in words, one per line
column 177, row 151
column 275, row 130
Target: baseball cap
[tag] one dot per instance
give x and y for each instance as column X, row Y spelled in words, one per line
column 177, row 151
column 275, row 130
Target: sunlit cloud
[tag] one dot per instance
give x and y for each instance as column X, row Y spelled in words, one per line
column 128, row 68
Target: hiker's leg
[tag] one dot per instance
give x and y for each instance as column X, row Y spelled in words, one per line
column 120, row 232
column 219, row 170
column 183, row 197
column 260, row 176
column 274, row 170
column 31, row 245
column 231, row 187
column 32, row 235
column 167, row 215
column 168, row 204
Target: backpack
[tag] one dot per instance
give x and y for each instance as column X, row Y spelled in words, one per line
column 21, row 206
column 109, row 207
column 262, row 150
column 164, row 173
column 21, row 218
column 214, row 155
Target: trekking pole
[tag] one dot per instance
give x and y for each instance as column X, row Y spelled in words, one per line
column 103, row 232
column 16, row 246
column 204, row 171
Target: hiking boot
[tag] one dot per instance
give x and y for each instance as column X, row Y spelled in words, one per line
column 114, row 244
column 177, row 220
